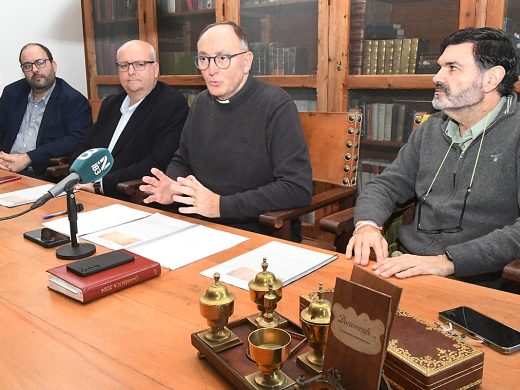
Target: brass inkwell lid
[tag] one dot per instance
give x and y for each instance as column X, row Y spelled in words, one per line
column 262, row 280
column 318, row 312
column 217, row 294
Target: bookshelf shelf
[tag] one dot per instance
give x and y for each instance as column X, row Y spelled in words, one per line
column 325, row 28
column 404, row 81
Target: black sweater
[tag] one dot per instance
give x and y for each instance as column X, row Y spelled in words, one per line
column 251, row 151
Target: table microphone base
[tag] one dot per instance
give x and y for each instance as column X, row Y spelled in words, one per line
column 69, row 252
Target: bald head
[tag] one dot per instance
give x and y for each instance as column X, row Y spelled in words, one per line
column 138, row 83
column 138, row 44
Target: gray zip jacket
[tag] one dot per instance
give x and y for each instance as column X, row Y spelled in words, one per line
column 491, row 225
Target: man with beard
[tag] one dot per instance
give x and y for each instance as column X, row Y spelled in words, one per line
column 463, row 168
column 41, row 116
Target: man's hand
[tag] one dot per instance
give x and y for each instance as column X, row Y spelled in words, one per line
column 201, row 200
column 160, row 187
column 89, row 187
column 367, row 237
column 405, row 266
column 14, row 162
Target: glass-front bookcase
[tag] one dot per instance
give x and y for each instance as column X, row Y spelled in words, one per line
column 394, row 47
column 284, row 53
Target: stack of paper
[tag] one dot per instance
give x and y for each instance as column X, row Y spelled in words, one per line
column 169, row 241
column 99, row 219
column 25, row 196
column 287, row 262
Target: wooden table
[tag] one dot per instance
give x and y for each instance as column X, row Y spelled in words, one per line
column 139, row 338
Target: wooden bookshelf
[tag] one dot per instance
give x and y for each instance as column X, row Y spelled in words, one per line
column 324, row 27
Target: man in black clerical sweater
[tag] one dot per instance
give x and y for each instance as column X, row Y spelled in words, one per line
column 242, row 150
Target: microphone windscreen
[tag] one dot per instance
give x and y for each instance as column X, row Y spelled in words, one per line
column 92, row 164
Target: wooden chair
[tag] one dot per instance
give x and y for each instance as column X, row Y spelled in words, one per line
column 341, row 225
column 333, row 140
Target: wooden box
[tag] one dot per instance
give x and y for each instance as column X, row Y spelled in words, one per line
column 420, row 356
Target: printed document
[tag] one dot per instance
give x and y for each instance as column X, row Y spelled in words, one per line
column 25, row 196
column 137, row 232
column 287, row 262
column 99, row 219
column 186, row 246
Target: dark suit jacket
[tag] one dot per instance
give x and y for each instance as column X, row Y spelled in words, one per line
column 65, row 122
column 149, row 139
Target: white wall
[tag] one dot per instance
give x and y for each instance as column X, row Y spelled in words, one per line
column 55, row 23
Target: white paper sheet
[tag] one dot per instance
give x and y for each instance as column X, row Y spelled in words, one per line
column 187, row 246
column 99, row 219
column 137, row 232
column 287, row 262
column 25, row 196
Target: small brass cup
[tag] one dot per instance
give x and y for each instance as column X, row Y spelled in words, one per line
column 269, row 348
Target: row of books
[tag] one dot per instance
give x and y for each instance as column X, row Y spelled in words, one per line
column 392, row 56
column 365, row 13
column 369, row 169
column 270, row 58
column 305, row 105
column 107, row 10
column 106, row 49
column 172, row 6
column 390, row 121
column 177, row 62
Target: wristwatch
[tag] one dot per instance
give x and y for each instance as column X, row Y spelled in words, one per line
column 97, row 188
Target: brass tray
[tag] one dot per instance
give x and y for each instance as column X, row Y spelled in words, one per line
column 234, row 363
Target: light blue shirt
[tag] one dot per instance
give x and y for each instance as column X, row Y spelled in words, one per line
column 28, row 132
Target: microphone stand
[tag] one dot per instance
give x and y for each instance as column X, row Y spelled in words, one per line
column 74, row 250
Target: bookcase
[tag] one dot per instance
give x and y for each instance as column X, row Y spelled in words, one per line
column 378, row 55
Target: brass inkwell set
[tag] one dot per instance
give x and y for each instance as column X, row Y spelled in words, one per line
column 271, row 338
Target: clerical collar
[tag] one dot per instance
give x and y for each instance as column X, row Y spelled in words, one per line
column 242, row 92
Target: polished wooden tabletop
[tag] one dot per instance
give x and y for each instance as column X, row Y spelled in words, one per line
column 139, row 338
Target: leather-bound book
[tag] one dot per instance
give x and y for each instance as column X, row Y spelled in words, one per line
column 88, row 288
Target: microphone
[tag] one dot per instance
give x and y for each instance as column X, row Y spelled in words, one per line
column 89, row 167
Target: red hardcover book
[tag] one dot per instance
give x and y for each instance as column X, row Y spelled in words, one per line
column 88, row 288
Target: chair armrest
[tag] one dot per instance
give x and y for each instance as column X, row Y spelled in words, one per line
column 512, row 271
column 277, row 219
column 130, row 188
column 62, row 160
column 58, row 171
column 338, row 222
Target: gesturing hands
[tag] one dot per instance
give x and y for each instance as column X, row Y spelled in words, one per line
column 186, row 190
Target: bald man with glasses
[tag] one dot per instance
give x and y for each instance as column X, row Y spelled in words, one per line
column 41, row 116
column 141, row 126
column 462, row 166
column 242, row 151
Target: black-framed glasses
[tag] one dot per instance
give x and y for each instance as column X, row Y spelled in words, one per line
column 39, row 63
column 222, row 61
column 455, row 229
column 137, row 65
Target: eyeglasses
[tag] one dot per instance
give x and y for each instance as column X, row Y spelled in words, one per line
column 222, row 61
column 455, row 229
column 422, row 199
column 39, row 63
column 137, row 65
